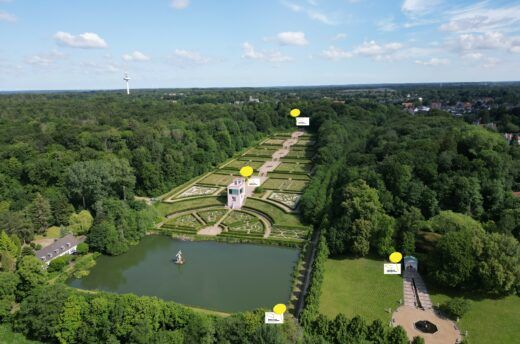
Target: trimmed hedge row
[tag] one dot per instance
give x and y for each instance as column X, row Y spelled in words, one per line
column 312, row 299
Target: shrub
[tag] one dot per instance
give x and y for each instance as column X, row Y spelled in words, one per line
column 82, row 248
column 456, row 307
column 59, row 263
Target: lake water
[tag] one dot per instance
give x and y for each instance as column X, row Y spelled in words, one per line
column 218, row 276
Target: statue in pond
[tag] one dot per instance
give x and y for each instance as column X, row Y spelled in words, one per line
column 179, row 260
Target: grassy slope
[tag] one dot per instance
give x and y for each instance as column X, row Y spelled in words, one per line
column 358, row 286
column 278, row 215
column 488, row 320
column 8, row 336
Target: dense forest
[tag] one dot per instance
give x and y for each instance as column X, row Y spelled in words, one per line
column 433, row 186
column 430, row 185
column 62, row 153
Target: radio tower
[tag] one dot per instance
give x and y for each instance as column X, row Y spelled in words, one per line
column 127, row 79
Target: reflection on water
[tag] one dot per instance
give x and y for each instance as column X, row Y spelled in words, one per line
column 220, row 276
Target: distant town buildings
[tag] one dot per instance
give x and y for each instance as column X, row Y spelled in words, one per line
column 60, row 247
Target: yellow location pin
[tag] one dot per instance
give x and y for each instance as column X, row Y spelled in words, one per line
column 396, row 257
column 280, row 308
column 295, row 112
column 246, row 171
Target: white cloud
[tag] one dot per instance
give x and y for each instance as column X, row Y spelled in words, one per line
column 252, row 54
column 180, row 4
column 434, row 61
column 418, row 7
column 190, row 56
column 373, row 49
column 45, row 59
column 7, row 17
column 100, row 67
column 392, row 51
column 136, row 56
column 333, row 53
column 489, row 40
column 387, row 25
column 311, row 13
column 87, row 40
column 339, row 37
column 490, row 62
column 481, row 18
column 472, row 56
column 292, row 38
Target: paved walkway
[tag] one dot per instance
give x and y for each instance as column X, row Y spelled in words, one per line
column 270, row 166
column 418, row 306
column 447, row 332
column 410, row 297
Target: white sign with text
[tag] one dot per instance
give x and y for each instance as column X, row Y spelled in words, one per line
column 392, row 269
column 302, row 121
column 273, row 318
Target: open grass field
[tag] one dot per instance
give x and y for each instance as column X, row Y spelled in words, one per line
column 7, row 336
column 488, row 320
column 358, row 286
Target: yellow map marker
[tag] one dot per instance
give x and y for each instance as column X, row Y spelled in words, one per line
column 295, row 112
column 280, row 308
column 396, row 257
column 246, row 171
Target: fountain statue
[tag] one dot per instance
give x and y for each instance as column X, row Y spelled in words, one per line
column 179, row 260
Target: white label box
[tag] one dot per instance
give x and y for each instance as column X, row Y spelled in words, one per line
column 392, row 269
column 254, row 182
column 273, row 318
column 302, row 121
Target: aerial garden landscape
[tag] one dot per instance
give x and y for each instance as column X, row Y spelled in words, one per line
column 137, row 184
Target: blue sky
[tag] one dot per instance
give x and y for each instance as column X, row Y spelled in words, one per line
column 89, row 44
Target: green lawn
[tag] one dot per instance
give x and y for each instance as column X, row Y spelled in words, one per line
column 358, row 286
column 278, row 215
column 8, row 336
column 198, row 202
column 488, row 320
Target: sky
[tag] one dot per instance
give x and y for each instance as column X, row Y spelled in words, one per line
column 90, row 44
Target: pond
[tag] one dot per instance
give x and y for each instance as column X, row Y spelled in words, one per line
column 218, row 276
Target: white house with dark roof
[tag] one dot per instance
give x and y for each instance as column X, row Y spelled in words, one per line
column 60, row 247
